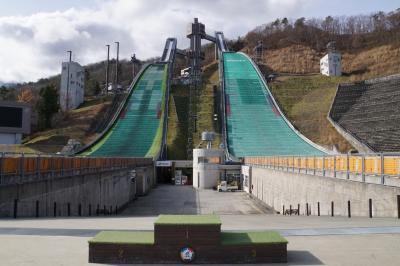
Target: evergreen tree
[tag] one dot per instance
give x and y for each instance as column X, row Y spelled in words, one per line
column 47, row 105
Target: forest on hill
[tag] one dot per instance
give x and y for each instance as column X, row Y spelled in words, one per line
column 351, row 33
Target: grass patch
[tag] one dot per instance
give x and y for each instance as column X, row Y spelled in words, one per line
column 207, row 106
column 188, row 220
column 289, row 90
column 94, row 101
column 121, row 237
column 177, row 133
column 72, row 125
column 306, row 100
column 17, row 148
column 51, row 144
column 252, row 238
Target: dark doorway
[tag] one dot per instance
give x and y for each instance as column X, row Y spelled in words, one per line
column 164, row 175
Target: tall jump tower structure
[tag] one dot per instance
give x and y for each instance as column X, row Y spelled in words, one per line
column 196, row 31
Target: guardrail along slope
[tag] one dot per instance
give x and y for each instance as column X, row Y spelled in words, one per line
column 254, row 123
column 138, row 130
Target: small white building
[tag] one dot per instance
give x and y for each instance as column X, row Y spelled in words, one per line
column 72, row 85
column 331, row 64
column 209, row 168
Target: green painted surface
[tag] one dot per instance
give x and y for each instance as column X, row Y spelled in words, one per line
column 138, row 130
column 227, row 238
column 188, row 220
column 254, row 125
column 252, row 238
column 121, row 237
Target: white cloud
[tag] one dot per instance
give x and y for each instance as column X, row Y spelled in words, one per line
column 34, row 46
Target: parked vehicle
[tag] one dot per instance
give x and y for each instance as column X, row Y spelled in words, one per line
column 224, row 186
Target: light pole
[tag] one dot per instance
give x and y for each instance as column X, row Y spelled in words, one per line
column 116, row 66
column 107, row 66
column 67, row 100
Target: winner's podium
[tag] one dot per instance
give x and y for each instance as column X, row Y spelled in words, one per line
column 187, row 239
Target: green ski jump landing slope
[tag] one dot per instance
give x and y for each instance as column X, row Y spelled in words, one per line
column 254, row 125
column 138, row 130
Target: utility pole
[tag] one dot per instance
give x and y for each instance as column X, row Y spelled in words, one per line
column 116, row 66
column 107, row 66
column 67, row 100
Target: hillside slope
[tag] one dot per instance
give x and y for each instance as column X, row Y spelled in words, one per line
column 74, row 125
column 306, row 100
column 366, row 64
column 372, row 63
column 305, row 96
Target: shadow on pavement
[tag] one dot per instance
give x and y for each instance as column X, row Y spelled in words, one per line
column 302, row 257
column 165, row 199
column 295, row 257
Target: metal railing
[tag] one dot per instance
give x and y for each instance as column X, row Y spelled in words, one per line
column 353, row 167
column 170, row 67
column 18, row 168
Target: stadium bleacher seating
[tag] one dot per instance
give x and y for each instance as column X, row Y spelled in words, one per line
column 370, row 111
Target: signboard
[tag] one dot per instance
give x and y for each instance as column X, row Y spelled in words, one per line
column 184, row 180
column 178, row 177
column 245, row 170
column 163, row 163
column 246, row 173
column 132, row 175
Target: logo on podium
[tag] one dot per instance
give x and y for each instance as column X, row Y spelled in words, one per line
column 187, row 254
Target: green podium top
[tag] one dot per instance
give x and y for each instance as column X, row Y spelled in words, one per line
column 188, row 220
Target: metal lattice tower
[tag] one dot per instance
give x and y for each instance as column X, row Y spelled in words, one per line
column 258, row 52
column 195, row 32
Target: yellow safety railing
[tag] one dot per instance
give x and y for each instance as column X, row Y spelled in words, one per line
column 22, row 165
column 369, row 164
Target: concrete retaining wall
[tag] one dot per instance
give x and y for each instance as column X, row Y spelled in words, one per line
column 279, row 188
column 145, row 180
column 361, row 147
column 104, row 191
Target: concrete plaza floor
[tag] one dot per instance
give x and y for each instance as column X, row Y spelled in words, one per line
column 312, row 240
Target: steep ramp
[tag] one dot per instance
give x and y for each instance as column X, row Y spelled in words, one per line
column 138, row 130
column 254, row 123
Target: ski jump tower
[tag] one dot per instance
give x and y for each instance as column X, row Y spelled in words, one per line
column 196, row 31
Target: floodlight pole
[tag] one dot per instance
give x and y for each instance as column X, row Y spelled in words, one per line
column 107, row 67
column 116, row 66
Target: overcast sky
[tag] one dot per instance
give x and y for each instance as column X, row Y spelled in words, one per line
column 35, row 34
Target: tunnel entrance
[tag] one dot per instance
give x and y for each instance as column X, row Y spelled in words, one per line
column 174, row 172
column 164, row 175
